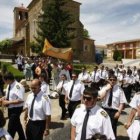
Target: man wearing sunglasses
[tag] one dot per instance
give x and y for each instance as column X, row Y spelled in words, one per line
column 113, row 99
column 89, row 119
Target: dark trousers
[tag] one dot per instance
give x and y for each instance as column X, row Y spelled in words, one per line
column 20, row 67
column 136, row 86
column 62, row 105
column 114, row 122
column 127, row 92
column 35, row 130
column 14, row 124
column 72, row 106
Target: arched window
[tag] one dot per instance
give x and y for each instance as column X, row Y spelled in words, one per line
column 85, row 48
column 20, row 15
column 26, row 15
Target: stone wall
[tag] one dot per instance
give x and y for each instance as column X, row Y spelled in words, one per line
column 34, row 12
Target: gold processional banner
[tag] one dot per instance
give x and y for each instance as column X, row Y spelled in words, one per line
column 60, row 53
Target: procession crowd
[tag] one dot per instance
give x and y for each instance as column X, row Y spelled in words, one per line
column 92, row 100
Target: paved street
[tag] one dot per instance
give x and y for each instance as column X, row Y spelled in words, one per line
column 57, row 124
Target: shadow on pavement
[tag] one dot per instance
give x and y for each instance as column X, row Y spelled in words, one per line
column 120, row 123
column 122, row 138
column 124, row 113
column 55, row 125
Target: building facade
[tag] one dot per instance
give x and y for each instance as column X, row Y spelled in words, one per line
column 25, row 26
column 130, row 49
column 88, row 54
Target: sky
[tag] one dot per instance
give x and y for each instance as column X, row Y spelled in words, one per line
column 107, row 21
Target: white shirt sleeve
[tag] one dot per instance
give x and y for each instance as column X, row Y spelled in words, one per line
column 134, row 102
column 20, row 90
column 46, row 106
column 107, row 129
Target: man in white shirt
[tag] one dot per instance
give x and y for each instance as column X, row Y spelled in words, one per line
column 14, row 102
column 84, row 77
column 113, row 100
column 133, row 125
column 74, row 90
column 89, row 119
column 95, row 75
column 37, row 113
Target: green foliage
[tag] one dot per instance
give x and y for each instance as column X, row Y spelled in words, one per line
column 55, row 25
column 9, row 68
column 5, row 44
column 85, row 33
column 119, row 58
column 34, row 47
column 77, row 67
column 117, row 55
column 4, row 68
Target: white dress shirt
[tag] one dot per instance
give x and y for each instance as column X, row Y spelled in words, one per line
column 134, row 130
column 98, row 122
column 45, row 88
column 60, row 86
column 16, row 93
column 78, row 90
column 103, row 74
column 95, row 76
column 117, row 99
column 42, row 106
column 84, row 77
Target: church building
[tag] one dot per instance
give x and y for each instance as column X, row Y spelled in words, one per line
column 25, row 29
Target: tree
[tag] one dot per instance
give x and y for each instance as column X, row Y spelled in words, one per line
column 5, row 44
column 34, row 47
column 85, row 33
column 117, row 55
column 55, row 24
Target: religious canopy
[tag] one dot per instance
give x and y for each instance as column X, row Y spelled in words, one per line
column 60, row 53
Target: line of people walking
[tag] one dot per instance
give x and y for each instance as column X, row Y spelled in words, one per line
column 79, row 95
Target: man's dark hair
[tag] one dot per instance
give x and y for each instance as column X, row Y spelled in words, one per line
column 8, row 76
column 91, row 91
column 113, row 77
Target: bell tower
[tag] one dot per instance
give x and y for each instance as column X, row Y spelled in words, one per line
column 20, row 18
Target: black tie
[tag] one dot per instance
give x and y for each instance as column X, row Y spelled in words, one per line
column 32, row 106
column 101, row 73
column 110, row 97
column 71, row 90
column 8, row 94
column 84, row 128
